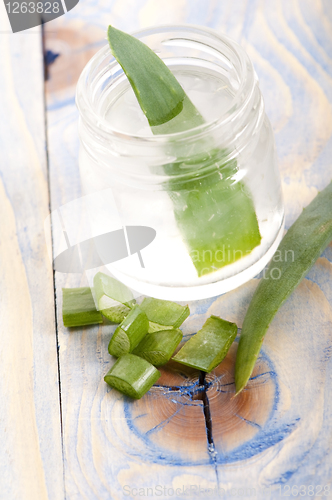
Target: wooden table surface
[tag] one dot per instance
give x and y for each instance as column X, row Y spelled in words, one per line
column 64, row 434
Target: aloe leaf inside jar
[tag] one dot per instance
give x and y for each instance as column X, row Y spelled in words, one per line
column 213, row 211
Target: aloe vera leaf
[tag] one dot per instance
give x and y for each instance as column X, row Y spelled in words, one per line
column 132, row 375
column 158, row 347
column 220, row 219
column 189, row 117
column 305, row 240
column 78, row 307
column 216, row 217
column 157, row 90
column 164, row 312
column 129, row 333
column 209, row 346
column 114, row 299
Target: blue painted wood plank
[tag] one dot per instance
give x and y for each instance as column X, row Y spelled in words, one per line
column 31, row 465
column 274, row 437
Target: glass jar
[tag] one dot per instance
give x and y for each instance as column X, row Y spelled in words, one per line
column 212, row 193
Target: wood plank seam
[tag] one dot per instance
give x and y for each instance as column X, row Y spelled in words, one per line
column 52, row 238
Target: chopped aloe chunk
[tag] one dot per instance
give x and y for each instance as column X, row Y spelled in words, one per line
column 116, row 313
column 155, row 327
column 209, row 346
column 158, row 347
column 164, row 312
column 78, row 307
column 132, row 375
column 129, row 333
column 112, row 288
column 114, row 299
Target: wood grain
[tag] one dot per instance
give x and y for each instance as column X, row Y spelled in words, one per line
column 30, row 453
column 280, row 436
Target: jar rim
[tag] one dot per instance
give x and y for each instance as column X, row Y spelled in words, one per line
column 241, row 97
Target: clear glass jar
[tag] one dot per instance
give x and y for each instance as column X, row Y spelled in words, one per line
column 212, row 193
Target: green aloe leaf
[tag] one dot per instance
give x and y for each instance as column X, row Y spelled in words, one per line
column 216, row 216
column 214, row 213
column 157, row 90
column 305, row 240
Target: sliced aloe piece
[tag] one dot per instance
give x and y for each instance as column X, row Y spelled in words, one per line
column 158, row 347
column 188, row 117
column 78, row 307
column 155, row 327
column 114, row 299
column 164, row 312
column 157, row 90
column 132, row 375
column 115, row 313
column 129, row 333
column 209, row 346
column 215, row 213
column 216, row 216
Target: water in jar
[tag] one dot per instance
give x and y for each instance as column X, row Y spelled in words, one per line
column 167, row 262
